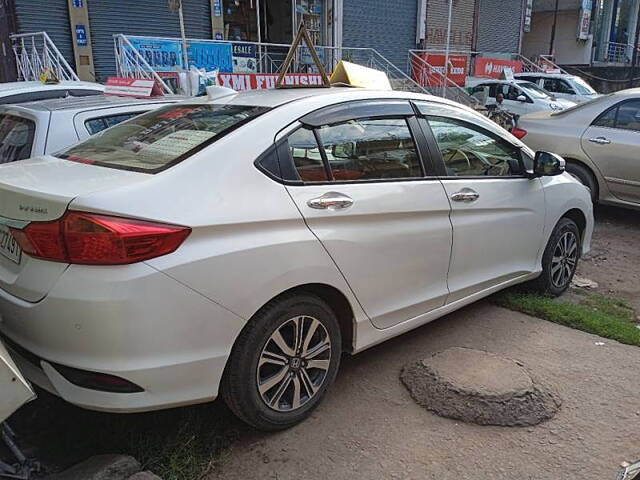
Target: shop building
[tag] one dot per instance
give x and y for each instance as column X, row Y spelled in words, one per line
column 83, row 29
column 588, row 32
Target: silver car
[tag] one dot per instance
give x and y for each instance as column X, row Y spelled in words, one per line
column 37, row 128
column 600, row 141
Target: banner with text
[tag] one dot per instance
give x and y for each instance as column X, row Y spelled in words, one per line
column 262, row 81
column 433, row 76
column 493, row 67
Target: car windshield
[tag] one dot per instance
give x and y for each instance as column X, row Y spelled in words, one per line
column 16, row 138
column 159, row 139
column 582, row 87
column 578, row 106
column 534, row 90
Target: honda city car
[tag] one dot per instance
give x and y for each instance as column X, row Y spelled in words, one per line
column 239, row 246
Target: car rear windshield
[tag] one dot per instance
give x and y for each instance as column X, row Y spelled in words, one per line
column 161, row 138
column 16, row 138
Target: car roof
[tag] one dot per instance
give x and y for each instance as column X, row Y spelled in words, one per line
column 276, row 97
column 92, row 102
column 545, row 75
column 10, row 88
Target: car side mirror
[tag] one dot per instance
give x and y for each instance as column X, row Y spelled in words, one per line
column 547, row 164
column 521, row 98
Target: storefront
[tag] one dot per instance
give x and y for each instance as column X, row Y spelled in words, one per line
column 271, row 21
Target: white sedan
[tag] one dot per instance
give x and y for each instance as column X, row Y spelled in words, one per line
column 238, row 247
column 21, row 92
column 520, row 97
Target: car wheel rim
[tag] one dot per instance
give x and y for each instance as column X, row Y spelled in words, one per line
column 565, row 258
column 294, row 364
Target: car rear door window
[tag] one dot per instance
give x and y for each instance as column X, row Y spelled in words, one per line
column 624, row 115
column 628, row 117
column 470, row 151
column 16, row 138
column 159, row 139
column 371, row 149
column 356, row 150
column 306, row 156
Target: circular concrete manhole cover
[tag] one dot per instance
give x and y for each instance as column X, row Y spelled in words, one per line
column 479, row 387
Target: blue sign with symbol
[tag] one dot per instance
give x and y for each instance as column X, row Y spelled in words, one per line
column 77, row 3
column 81, row 35
column 217, row 8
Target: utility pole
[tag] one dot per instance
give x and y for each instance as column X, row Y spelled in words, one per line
column 553, row 28
column 446, row 51
column 634, row 56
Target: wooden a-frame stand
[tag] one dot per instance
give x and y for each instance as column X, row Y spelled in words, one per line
column 302, row 34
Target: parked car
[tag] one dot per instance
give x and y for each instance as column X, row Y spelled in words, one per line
column 239, row 246
column 37, row 128
column 21, row 92
column 561, row 85
column 600, row 141
column 520, row 97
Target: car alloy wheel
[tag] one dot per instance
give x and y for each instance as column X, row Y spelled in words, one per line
column 294, row 363
column 564, row 260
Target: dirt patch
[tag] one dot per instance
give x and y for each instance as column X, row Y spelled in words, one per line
column 614, row 260
column 370, row 427
column 479, row 387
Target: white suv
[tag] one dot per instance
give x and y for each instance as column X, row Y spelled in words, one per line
column 240, row 246
column 561, row 85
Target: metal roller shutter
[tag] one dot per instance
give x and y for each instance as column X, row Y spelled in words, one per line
column 389, row 27
column 142, row 17
column 52, row 17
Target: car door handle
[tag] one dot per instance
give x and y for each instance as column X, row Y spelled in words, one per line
column 600, row 140
column 465, row 195
column 331, row 201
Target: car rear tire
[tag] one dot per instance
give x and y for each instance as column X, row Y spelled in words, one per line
column 585, row 177
column 283, row 362
column 560, row 259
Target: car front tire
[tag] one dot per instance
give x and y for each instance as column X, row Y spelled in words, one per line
column 560, row 259
column 283, row 362
column 585, row 177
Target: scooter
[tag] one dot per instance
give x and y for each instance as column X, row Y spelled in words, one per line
column 15, row 391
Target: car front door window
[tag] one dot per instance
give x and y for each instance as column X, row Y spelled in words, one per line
column 468, row 151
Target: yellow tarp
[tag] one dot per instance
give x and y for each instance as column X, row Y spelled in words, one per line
column 358, row 76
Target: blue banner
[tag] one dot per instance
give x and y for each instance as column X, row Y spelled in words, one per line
column 162, row 55
column 210, row 56
column 166, row 55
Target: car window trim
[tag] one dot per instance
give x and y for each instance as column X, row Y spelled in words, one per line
column 442, row 166
column 357, row 109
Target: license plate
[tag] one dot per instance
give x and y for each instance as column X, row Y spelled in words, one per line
column 9, row 248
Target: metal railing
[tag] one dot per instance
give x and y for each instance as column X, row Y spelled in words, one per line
column 614, row 52
column 34, row 53
column 436, row 82
column 269, row 59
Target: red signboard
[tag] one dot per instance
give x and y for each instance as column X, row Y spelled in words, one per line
column 432, row 73
column 130, row 87
column 493, row 67
column 261, row 81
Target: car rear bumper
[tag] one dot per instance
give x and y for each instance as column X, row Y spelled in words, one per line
column 130, row 321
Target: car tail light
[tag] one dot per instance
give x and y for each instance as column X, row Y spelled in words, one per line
column 91, row 239
column 518, row 132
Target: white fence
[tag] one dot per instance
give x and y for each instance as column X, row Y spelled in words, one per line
column 35, row 53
